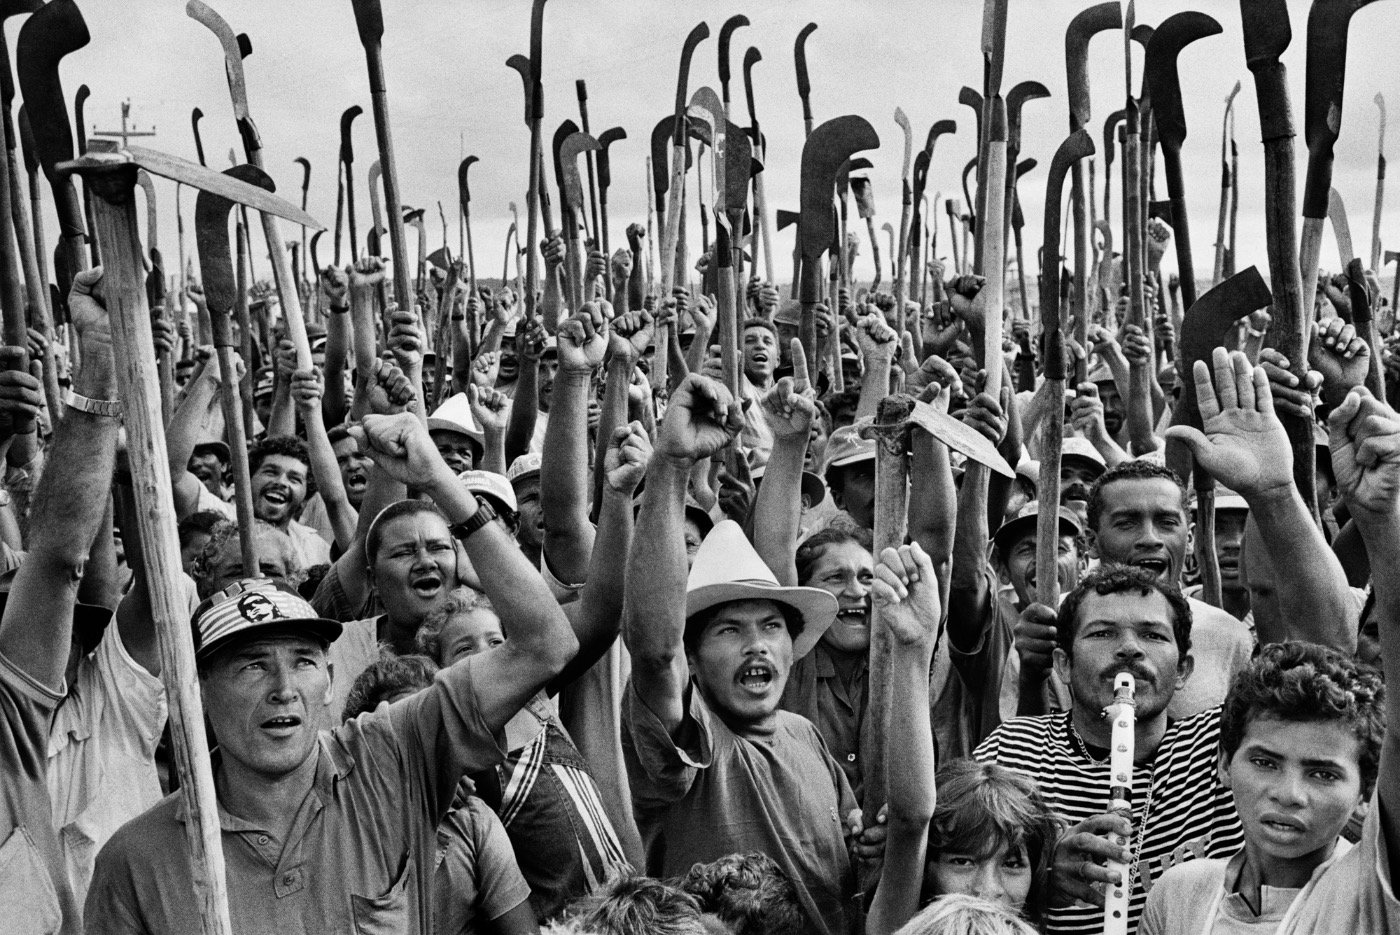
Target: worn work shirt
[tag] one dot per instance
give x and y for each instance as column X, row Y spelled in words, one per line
column 310, row 548
column 362, row 849
column 816, row 690
column 476, row 877
column 102, row 746
column 34, row 893
column 780, row 794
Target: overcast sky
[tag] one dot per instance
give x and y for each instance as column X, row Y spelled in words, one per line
column 451, row 94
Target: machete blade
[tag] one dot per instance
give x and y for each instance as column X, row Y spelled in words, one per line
column 1341, row 227
column 464, row 191
column 1082, row 28
column 605, row 141
column 1160, row 70
column 830, row 144
column 697, row 35
column 208, row 17
column 960, row 437
column 751, row 58
column 53, row 31
column 1205, row 324
column 726, row 33
column 576, row 144
column 799, row 56
column 1016, row 99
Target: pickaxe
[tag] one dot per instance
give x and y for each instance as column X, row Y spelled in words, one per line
column 236, row 48
column 760, row 202
column 369, row 21
column 1226, row 184
column 1078, row 145
column 572, row 196
column 1203, row 329
column 673, row 232
column 1380, row 187
column 827, row 147
column 1169, row 118
column 347, row 162
column 1267, row 34
column 464, row 194
column 113, row 174
column 582, row 87
column 1329, row 22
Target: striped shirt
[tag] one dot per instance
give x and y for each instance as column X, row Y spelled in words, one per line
column 1190, row 812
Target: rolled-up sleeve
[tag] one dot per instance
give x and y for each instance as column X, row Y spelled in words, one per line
column 659, row 771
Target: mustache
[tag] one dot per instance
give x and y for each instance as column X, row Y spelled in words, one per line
column 1075, row 492
column 1139, row 675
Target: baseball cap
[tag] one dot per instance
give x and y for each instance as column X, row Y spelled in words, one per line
column 493, row 485
column 1025, row 521
column 524, row 467
column 845, row 446
column 254, row 605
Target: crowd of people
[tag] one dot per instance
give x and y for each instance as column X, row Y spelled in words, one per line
column 559, row 649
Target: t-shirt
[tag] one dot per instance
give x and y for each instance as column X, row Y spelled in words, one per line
column 34, row 892
column 1354, row 893
column 1195, row 898
column 476, row 876
column 780, row 794
column 357, row 856
column 307, row 544
column 1181, row 810
column 206, row 502
column 101, row 750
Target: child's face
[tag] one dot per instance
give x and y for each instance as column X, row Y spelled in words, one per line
column 1295, row 785
column 469, row 633
column 1003, row 877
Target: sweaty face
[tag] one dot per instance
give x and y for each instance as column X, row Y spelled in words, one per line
column 1295, row 786
column 266, row 700
column 469, row 633
column 207, row 467
column 760, row 355
column 846, row 570
column 1020, row 566
column 456, row 448
column 415, row 566
column 856, row 494
column 354, row 469
column 1124, row 632
column 741, row 662
column 279, row 489
column 1144, row 524
column 1004, row 876
column 276, row 560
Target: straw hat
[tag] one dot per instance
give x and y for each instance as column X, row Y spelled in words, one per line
column 727, row 568
column 455, row 415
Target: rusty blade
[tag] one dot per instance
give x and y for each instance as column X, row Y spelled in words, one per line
column 960, row 437
column 1341, row 227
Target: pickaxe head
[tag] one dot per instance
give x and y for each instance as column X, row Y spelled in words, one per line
column 604, row 158
column 1016, row 99
column 53, row 31
column 697, row 35
column 751, row 58
column 1160, row 72
column 573, row 186
column 464, row 191
column 726, row 32
column 1084, row 26
column 347, row 139
column 521, row 63
column 1329, row 23
column 826, row 149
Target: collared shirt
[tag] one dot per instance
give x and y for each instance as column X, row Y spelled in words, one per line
column 476, row 874
column 780, row 794
column 310, row 548
column 101, row 751
column 817, row 691
column 34, row 891
column 362, row 846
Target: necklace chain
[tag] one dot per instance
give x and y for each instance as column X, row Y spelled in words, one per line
column 1141, row 836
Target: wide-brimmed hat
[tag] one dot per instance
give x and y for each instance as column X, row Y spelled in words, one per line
column 1083, row 450
column 251, row 605
column 1025, row 521
column 727, row 568
column 455, row 415
column 813, row 488
column 217, row 447
column 493, row 485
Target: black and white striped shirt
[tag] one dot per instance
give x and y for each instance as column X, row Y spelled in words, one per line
column 1191, row 813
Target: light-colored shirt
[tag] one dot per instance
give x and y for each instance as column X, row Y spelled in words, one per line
column 476, row 876
column 102, row 745
column 308, row 545
column 1197, row 898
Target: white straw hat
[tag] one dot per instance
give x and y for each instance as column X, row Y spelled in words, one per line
column 455, row 415
column 727, row 568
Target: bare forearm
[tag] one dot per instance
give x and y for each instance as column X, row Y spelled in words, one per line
column 283, row 420
column 1314, row 590
column 933, row 505
column 328, row 482
column 524, row 410
column 362, row 309
column 874, row 385
column 612, row 413
column 777, row 513
column 654, row 625
column 189, row 421
column 337, row 346
column 699, row 348
column 600, row 605
column 564, row 478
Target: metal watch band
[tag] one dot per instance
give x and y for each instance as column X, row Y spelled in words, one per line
column 108, row 408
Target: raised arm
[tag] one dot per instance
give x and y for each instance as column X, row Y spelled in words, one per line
column 970, row 597
column 188, row 423
column 788, row 410
column 568, row 535
column 877, row 345
column 491, row 410
column 1365, row 442
column 701, row 419
column 71, row 499
column 335, row 286
column 905, row 594
column 525, row 409
column 541, row 641
column 306, row 393
column 1245, row 448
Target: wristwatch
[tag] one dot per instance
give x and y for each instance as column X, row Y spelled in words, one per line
column 108, row 408
column 483, row 515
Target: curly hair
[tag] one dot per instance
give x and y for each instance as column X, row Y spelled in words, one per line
column 1130, row 470
column 1305, row 682
column 287, row 445
column 428, row 639
column 203, row 522
column 749, row 893
column 811, row 550
column 982, row 806
column 637, row 905
column 1120, row 579
column 386, row 677
column 225, row 531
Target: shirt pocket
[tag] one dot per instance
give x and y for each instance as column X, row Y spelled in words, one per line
column 387, row 914
column 26, row 890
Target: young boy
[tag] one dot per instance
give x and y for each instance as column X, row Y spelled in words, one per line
column 1300, row 744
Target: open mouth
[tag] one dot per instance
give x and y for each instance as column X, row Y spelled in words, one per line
column 1158, row 566
column 426, row 586
column 276, row 496
column 858, row 616
column 356, row 480
column 756, row 678
column 1281, row 826
column 282, row 725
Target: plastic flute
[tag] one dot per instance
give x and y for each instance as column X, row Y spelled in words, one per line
column 1123, row 712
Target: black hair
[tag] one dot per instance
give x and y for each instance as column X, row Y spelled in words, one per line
column 749, row 893
column 1121, row 579
column 758, row 323
column 812, row 549
column 286, row 445
column 695, row 625
column 203, row 522
column 1130, row 470
column 375, row 535
column 1305, row 682
column 386, row 677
